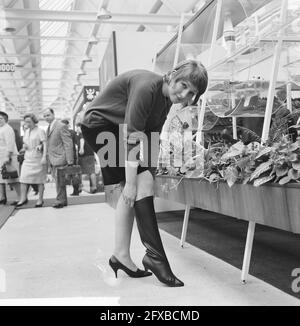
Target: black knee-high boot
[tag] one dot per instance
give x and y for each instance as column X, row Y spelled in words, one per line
column 155, row 258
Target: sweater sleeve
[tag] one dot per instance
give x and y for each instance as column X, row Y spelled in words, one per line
column 42, row 135
column 139, row 106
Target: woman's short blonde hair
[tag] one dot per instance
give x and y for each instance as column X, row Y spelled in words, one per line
column 191, row 71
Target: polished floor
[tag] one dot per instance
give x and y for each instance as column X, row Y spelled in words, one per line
column 50, row 256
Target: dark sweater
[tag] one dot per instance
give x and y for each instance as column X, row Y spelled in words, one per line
column 134, row 98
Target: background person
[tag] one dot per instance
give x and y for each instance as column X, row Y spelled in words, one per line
column 86, row 160
column 34, row 166
column 76, row 180
column 141, row 100
column 8, row 156
column 59, row 153
column 20, row 157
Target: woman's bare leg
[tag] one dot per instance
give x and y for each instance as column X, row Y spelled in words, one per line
column 41, row 188
column 123, row 229
column 93, row 182
column 2, row 191
column 145, row 184
column 23, row 190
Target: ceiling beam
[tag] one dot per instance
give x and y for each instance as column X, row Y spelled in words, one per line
column 90, row 70
column 51, row 38
column 51, row 55
column 170, row 6
column 44, row 88
column 155, row 8
column 45, row 80
column 90, row 17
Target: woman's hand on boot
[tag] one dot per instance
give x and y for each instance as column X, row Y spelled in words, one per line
column 129, row 194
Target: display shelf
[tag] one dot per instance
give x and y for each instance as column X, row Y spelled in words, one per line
column 239, row 83
column 240, row 59
column 271, row 204
column 244, row 73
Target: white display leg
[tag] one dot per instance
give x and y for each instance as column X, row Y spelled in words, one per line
column 248, row 250
column 185, row 224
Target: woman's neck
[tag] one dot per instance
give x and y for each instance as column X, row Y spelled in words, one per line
column 165, row 90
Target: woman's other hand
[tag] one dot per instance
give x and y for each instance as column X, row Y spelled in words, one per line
column 39, row 148
column 6, row 162
column 129, row 194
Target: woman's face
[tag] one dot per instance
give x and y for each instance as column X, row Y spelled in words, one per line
column 2, row 121
column 29, row 123
column 181, row 91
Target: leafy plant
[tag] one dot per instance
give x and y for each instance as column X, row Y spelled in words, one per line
column 253, row 163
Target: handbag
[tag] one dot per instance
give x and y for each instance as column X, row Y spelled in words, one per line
column 20, row 157
column 67, row 174
column 6, row 174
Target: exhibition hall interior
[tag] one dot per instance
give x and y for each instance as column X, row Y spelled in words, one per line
column 223, row 186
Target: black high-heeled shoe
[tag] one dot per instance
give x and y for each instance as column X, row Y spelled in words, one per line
column 39, row 205
column 161, row 270
column 23, row 203
column 3, row 201
column 115, row 264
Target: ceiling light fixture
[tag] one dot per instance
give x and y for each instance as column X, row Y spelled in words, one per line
column 81, row 73
column 87, row 59
column 77, row 85
column 104, row 14
column 9, row 29
column 18, row 63
column 5, row 24
column 93, row 40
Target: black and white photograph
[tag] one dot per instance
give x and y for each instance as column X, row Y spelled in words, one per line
column 149, row 156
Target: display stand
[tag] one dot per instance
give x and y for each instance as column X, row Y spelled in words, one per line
column 270, row 204
column 256, row 39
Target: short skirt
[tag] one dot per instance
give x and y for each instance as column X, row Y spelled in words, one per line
column 112, row 151
column 87, row 164
column 33, row 171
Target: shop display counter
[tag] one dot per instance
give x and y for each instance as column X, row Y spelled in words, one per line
column 270, row 204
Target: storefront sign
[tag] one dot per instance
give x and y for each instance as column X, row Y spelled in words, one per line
column 90, row 92
column 7, row 67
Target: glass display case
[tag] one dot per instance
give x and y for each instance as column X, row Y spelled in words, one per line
column 251, row 49
column 196, row 38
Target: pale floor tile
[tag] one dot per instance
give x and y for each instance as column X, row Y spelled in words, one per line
column 61, row 256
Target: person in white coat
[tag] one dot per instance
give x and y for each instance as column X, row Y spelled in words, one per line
column 8, row 157
column 34, row 167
